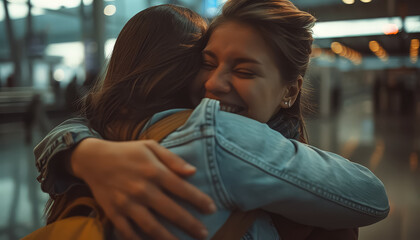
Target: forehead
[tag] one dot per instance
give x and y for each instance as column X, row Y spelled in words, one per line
column 233, row 38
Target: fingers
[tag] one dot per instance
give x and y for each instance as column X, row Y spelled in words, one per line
column 176, row 214
column 111, row 204
column 171, row 160
column 147, row 222
column 188, row 192
column 124, row 227
column 176, row 185
column 124, row 208
column 151, row 196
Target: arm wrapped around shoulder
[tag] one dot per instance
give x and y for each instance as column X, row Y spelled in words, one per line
column 262, row 169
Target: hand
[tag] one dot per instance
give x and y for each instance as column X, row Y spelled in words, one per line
column 127, row 178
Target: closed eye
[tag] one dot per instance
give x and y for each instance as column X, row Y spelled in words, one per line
column 245, row 74
column 208, row 65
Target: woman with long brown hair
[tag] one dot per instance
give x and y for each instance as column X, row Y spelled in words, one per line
column 254, row 59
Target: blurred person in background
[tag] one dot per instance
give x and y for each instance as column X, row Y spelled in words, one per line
column 249, row 81
column 10, row 81
column 35, row 116
column 72, row 95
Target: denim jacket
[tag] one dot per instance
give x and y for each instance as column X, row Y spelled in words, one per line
column 243, row 164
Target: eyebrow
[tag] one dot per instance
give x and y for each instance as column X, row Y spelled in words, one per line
column 235, row 61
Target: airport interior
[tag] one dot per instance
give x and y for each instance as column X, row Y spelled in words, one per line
column 363, row 88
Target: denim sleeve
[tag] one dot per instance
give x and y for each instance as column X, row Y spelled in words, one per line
column 259, row 168
column 52, row 155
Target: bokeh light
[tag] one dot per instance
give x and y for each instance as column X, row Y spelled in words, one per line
column 348, row 1
column 110, row 10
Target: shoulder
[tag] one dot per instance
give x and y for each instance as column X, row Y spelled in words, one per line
column 207, row 120
column 208, row 111
column 208, row 114
column 228, row 127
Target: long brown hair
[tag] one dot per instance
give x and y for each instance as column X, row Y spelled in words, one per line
column 155, row 58
column 287, row 30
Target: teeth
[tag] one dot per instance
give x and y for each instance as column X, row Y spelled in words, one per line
column 232, row 109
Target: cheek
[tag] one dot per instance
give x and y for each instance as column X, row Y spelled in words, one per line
column 255, row 96
column 265, row 101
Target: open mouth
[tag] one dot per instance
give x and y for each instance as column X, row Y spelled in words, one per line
column 231, row 108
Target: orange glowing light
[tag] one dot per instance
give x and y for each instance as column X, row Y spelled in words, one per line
column 346, row 52
column 391, row 29
column 381, row 52
column 374, row 46
column 351, row 54
column 414, row 50
column 415, row 43
column 337, row 47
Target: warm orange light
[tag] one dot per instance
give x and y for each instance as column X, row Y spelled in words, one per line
column 349, row 55
column 346, row 52
column 374, row 46
column 391, row 29
column 336, row 47
column 415, row 43
column 414, row 50
column 378, row 50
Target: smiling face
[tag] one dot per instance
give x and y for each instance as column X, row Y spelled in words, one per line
column 240, row 71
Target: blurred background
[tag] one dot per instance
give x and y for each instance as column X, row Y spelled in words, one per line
column 364, row 83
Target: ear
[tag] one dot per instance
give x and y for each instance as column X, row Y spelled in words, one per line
column 292, row 92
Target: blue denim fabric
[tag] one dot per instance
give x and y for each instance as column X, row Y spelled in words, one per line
column 243, row 164
column 53, row 152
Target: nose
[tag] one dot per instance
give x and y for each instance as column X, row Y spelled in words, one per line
column 218, row 82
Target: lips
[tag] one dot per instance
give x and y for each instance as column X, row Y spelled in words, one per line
column 232, row 108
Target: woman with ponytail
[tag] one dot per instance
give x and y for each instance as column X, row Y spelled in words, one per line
column 243, row 148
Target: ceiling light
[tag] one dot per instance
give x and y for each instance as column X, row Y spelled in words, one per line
column 87, row 2
column 110, row 10
column 346, row 52
column 366, row 1
column 359, row 27
column 348, row 1
column 390, row 29
column 58, row 75
column 71, row 52
column 412, row 24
